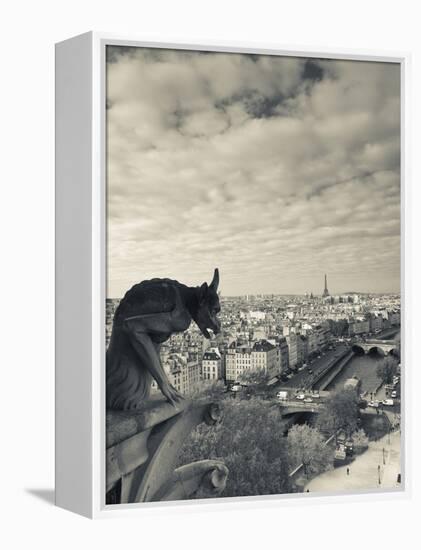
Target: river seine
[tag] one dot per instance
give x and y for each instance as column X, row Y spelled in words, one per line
column 364, row 367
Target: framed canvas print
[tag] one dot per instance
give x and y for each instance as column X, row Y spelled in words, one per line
column 230, row 301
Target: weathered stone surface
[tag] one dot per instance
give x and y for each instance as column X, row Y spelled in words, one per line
column 123, row 424
column 143, row 447
column 202, row 479
column 124, row 457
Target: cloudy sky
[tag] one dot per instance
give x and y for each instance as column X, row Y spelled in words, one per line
column 274, row 169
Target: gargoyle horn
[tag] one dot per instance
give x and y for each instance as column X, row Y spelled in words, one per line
column 215, row 281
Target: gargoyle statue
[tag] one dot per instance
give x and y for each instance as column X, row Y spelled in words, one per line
column 147, row 316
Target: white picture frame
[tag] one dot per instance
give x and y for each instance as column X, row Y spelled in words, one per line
column 81, row 273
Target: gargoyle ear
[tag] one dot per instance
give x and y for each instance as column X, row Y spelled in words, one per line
column 203, row 293
column 215, row 281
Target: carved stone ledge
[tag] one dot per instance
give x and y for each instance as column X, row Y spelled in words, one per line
column 202, row 479
column 142, row 450
column 123, row 424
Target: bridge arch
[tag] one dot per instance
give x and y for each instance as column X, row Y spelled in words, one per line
column 376, row 350
column 298, row 411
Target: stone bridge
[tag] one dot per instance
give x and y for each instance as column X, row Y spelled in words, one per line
column 383, row 347
column 295, row 406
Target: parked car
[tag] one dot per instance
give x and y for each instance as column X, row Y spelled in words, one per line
column 282, row 395
column 236, row 387
column 316, row 396
column 300, row 396
column 388, row 402
column 394, row 394
column 308, row 400
column 310, row 371
column 373, row 404
column 340, row 453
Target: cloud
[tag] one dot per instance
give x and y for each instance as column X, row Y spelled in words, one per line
column 274, row 169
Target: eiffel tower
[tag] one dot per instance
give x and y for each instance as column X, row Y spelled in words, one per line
column 325, row 292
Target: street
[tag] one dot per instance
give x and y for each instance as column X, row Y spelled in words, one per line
column 303, row 378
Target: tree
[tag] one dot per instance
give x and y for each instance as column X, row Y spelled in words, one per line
column 256, row 380
column 250, row 440
column 360, row 440
column 212, row 389
column 340, row 412
column 306, row 446
column 387, row 369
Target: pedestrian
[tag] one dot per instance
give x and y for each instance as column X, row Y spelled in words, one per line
column 347, row 471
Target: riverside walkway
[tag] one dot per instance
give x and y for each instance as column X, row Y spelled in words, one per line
column 364, row 471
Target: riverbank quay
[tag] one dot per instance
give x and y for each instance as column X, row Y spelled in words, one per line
column 332, row 370
column 378, row 468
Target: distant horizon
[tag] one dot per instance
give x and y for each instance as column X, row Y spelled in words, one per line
column 288, row 294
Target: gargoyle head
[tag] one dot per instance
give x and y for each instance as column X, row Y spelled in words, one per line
column 208, row 307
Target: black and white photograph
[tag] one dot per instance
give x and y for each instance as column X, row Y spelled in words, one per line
column 210, row 275
column 253, row 311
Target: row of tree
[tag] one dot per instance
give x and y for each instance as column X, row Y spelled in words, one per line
column 251, row 440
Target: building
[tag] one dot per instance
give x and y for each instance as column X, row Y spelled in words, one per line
column 293, row 341
column 394, row 318
column 284, row 355
column 322, row 335
column 264, row 356
column 257, row 315
column 312, row 342
column 376, row 323
column 194, row 376
column 243, row 358
column 183, row 374
column 358, row 326
column 302, row 349
column 211, row 366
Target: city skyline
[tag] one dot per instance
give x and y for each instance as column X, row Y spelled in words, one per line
column 277, row 170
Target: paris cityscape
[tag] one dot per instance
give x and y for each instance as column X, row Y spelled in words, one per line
column 294, row 353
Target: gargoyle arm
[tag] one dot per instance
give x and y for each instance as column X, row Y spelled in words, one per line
column 152, row 323
column 139, row 329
